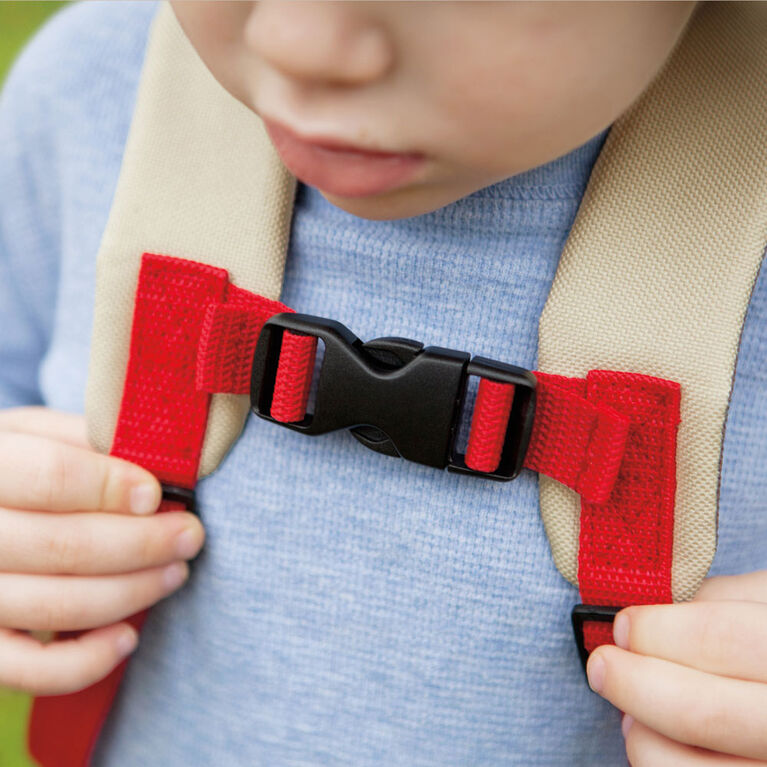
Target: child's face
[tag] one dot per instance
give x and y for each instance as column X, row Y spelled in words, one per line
column 459, row 95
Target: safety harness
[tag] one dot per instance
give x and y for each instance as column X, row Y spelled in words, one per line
column 638, row 341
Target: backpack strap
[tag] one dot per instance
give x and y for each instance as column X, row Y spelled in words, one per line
column 200, row 180
column 657, row 275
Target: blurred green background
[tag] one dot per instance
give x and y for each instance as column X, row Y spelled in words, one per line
column 18, row 21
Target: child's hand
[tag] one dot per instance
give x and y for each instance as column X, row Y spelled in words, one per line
column 692, row 678
column 79, row 549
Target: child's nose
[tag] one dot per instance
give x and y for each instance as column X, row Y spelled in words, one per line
column 333, row 42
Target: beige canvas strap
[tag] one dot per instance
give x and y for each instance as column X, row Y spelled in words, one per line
column 199, row 180
column 659, row 267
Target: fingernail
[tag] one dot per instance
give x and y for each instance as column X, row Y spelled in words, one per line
column 126, row 642
column 188, row 543
column 596, row 673
column 175, row 575
column 626, row 724
column 621, row 631
column 143, row 499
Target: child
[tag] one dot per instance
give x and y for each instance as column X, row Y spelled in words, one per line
column 349, row 609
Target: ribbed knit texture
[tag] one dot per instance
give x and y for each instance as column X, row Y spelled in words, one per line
column 348, row 609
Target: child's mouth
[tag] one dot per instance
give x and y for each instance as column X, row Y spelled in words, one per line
column 341, row 169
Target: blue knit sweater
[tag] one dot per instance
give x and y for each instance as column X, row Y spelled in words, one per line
column 349, row 609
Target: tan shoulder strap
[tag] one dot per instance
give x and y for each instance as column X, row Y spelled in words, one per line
column 199, row 180
column 659, row 267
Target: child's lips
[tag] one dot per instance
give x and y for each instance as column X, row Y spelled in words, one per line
column 342, row 169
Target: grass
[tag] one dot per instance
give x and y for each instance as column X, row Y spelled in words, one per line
column 14, row 710
column 18, row 20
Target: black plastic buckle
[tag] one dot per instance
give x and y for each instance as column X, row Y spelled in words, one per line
column 178, row 494
column 414, row 395
column 584, row 613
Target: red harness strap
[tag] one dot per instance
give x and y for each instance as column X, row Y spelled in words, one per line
column 626, row 543
column 161, row 426
column 627, row 489
column 610, row 437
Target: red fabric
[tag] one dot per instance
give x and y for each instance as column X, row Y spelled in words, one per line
column 611, row 437
column 229, row 335
column 161, row 426
column 578, row 442
column 489, row 421
column 162, row 417
column 597, row 633
column 228, row 339
column 63, row 729
column 294, row 377
column 626, row 543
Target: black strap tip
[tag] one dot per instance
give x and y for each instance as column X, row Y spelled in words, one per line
column 178, row 494
column 584, row 613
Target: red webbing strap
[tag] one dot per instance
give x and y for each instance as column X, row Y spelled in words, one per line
column 626, row 544
column 228, row 339
column 576, row 441
column 489, row 420
column 162, row 419
column 294, row 377
column 63, row 729
column 230, row 332
column 161, row 425
column 612, row 438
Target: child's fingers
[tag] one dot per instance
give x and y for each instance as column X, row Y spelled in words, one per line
column 647, row 748
column 748, row 587
column 44, row 422
column 727, row 638
column 73, row 602
column 38, row 473
column 94, row 543
column 684, row 704
column 62, row 666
